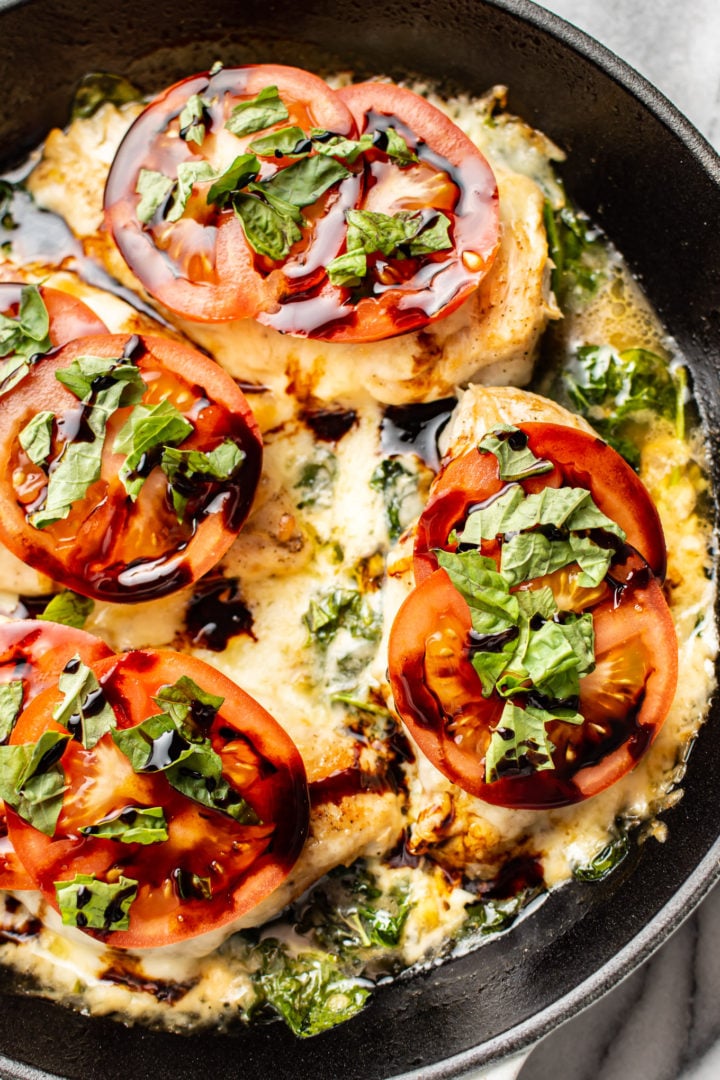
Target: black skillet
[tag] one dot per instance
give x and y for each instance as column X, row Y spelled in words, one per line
column 646, row 176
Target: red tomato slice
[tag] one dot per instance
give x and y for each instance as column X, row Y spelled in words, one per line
column 202, row 266
column 624, row 701
column 451, row 176
column 238, row 864
column 69, row 317
column 36, row 653
column 580, row 460
column 108, row 546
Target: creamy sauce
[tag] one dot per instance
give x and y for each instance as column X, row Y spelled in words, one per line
column 322, row 523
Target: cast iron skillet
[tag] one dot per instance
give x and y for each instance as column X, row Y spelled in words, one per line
column 643, row 173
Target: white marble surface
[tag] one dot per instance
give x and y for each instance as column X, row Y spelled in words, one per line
column 663, row 1022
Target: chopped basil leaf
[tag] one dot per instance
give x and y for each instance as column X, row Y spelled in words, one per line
column 554, row 657
column 285, row 142
column 520, row 744
column 68, row 608
column 194, row 119
column 23, row 338
column 259, row 113
column 303, row 182
column 578, row 254
column 341, row 609
column 148, row 428
column 36, row 437
column 614, row 852
column 396, row 148
column 84, row 711
column 70, row 477
column 243, row 170
column 338, row 146
column 494, row 608
column 32, row 780
column 191, row 886
column 189, row 173
column 154, row 189
column 92, row 904
column 132, row 825
column 399, row 486
column 160, row 744
column 317, row 479
column 190, row 707
column 11, row 700
column 186, row 468
column 98, row 87
column 348, row 269
column 104, row 385
column 267, row 231
column 308, row 990
column 406, row 234
column 91, row 378
column 618, row 390
column 516, row 460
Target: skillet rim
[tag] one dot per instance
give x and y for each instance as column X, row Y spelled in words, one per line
column 699, row 882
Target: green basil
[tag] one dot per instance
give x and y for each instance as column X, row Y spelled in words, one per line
column 348, row 269
column 154, row 189
column 23, row 338
column 36, row 437
column 189, row 173
column 188, row 705
column 104, row 385
column 84, row 709
column 606, row 860
column 341, row 609
column 68, row 608
column 198, row 775
column 241, row 172
column 132, row 825
column 267, row 231
column 259, row 113
column 282, row 143
column 338, row 146
column 406, row 234
column 11, row 702
column 579, row 257
column 399, row 486
column 317, row 479
column 32, row 780
column 148, row 428
column 516, row 460
column 194, row 119
column 186, row 469
column 302, row 183
column 308, row 990
column 92, row 904
column 520, row 743
column 98, row 87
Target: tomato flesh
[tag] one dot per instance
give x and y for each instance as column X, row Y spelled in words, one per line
column 579, row 459
column 69, row 317
column 238, row 865
column 108, row 546
column 624, row 701
column 36, row 653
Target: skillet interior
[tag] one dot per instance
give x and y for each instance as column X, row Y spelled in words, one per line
column 645, row 175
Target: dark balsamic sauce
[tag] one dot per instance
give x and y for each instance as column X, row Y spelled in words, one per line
column 329, row 425
column 121, row 973
column 416, row 429
column 216, row 612
column 29, row 607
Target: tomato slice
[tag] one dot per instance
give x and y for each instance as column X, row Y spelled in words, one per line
column 69, row 317
column 108, row 546
column 450, row 176
column 580, row 460
column 211, row 869
column 36, row 653
column 201, row 266
column 623, row 702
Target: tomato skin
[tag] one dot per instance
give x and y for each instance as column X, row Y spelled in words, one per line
column 245, row 863
column 37, row 652
column 110, row 548
column 624, row 700
column 231, row 285
column 441, row 282
column 580, row 460
column 69, row 317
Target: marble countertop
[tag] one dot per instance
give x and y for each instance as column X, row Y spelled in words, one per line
column 663, row 1021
